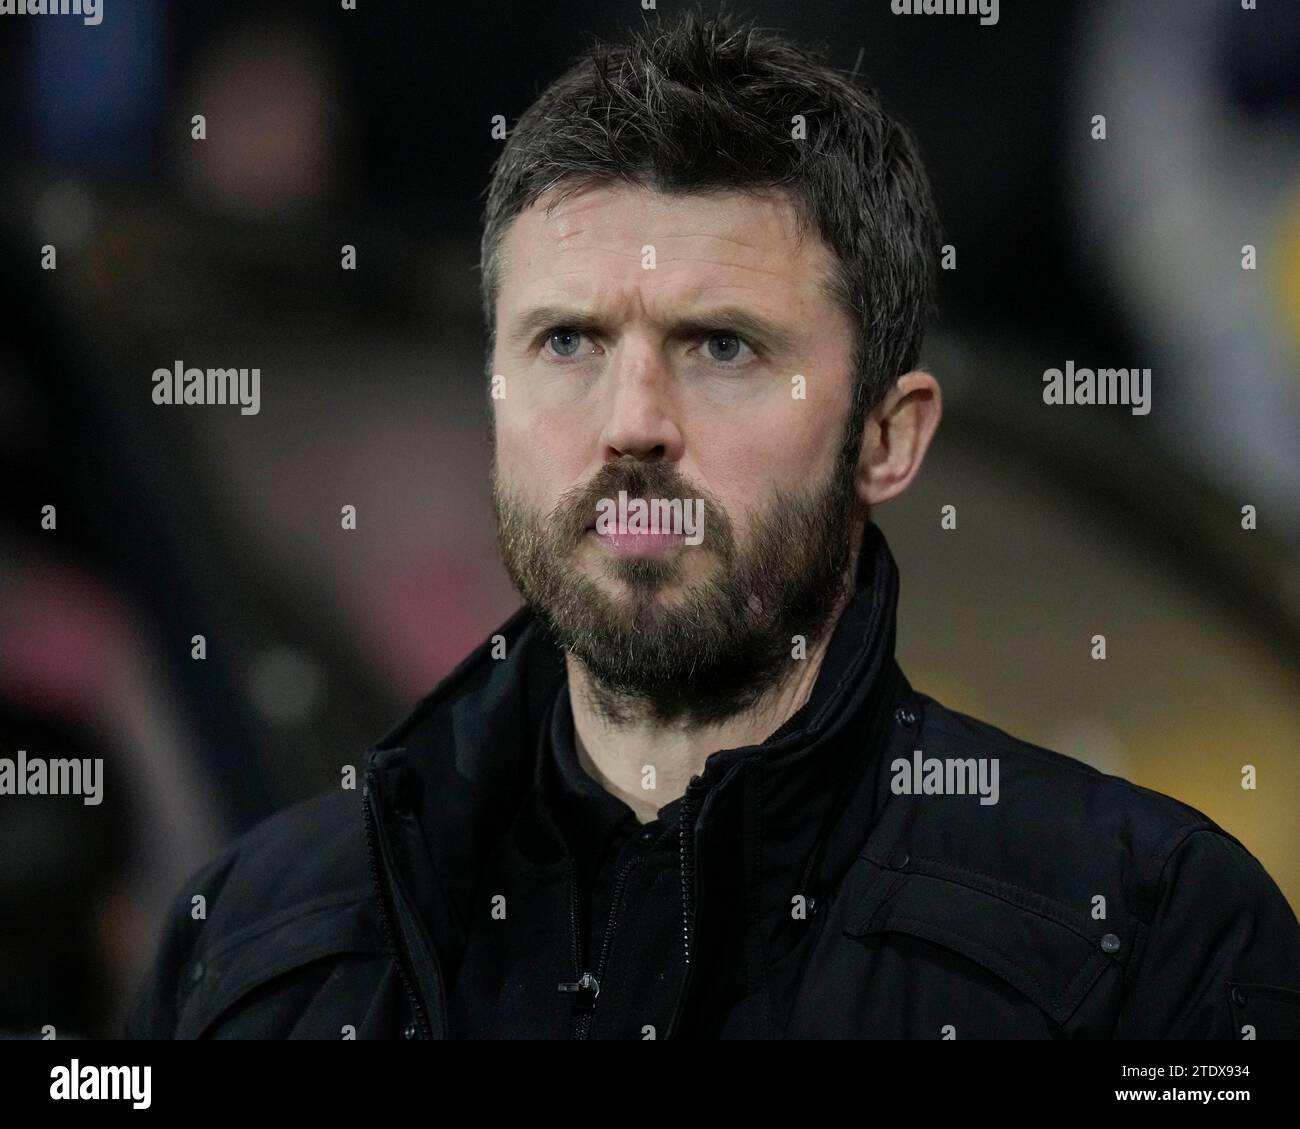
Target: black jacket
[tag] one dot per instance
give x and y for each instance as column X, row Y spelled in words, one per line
column 818, row 899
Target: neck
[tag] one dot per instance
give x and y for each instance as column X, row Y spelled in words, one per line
column 619, row 754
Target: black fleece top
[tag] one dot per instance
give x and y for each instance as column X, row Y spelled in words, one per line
column 639, row 960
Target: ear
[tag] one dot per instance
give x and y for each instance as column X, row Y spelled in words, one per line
column 897, row 435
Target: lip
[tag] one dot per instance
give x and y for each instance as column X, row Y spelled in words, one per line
column 639, row 545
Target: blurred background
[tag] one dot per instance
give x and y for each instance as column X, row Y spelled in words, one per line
column 373, row 128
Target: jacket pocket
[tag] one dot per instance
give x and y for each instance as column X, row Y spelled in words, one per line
column 215, row 980
column 1264, row 1011
column 1048, row 952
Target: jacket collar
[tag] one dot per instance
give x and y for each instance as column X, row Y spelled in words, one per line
column 775, row 820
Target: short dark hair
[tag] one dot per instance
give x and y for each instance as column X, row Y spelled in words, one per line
column 708, row 104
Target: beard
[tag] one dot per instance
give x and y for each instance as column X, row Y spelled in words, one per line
column 716, row 645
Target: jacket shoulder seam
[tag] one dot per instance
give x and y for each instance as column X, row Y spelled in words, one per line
column 286, row 916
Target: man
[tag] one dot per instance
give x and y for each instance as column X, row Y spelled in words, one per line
column 686, row 792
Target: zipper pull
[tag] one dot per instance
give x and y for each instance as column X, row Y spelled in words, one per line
column 587, row 988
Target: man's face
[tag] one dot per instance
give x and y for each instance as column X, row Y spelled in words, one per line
column 679, row 348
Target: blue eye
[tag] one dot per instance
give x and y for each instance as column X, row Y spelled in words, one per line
column 565, row 342
column 725, row 347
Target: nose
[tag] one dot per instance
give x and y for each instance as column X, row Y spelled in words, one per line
column 642, row 408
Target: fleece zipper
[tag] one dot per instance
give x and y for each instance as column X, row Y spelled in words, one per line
column 380, row 859
column 688, row 857
column 587, row 984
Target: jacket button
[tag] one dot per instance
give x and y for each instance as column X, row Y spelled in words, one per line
column 196, row 971
column 1110, row 943
column 410, row 1031
column 1239, row 997
column 900, row 860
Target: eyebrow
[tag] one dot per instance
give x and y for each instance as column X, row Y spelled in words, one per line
column 751, row 326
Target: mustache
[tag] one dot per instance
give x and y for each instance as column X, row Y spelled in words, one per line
column 575, row 511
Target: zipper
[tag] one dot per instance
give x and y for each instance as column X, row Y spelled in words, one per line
column 689, row 863
column 385, row 920
column 587, row 986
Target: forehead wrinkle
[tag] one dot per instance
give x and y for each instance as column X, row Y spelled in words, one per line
column 668, row 260
column 566, row 229
column 656, row 308
column 620, row 235
column 747, row 268
column 634, row 255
